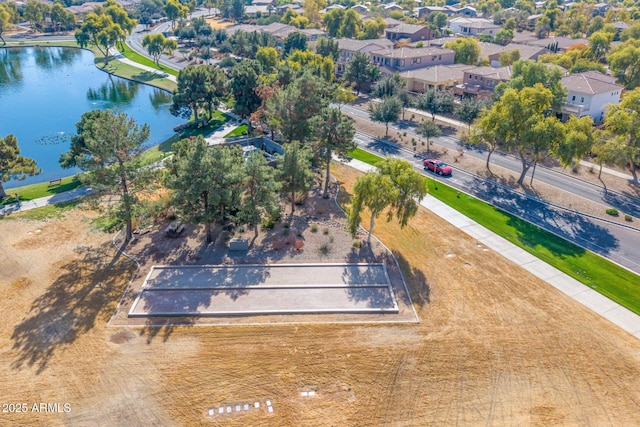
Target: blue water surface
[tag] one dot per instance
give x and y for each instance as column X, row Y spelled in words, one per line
column 45, row 90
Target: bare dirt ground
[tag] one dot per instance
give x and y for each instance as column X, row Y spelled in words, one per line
column 495, row 346
column 507, row 177
column 218, row 23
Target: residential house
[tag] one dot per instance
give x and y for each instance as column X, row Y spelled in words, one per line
column 407, row 58
column 601, row 9
column 620, row 27
column 392, row 22
column 81, row 10
column 479, row 82
column 589, row 93
column 408, row 31
column 440, row 77
column 473, row 26
column 255, row 10
column 468, row 11
column 440, row 42
column 526, row 52
column 360, row 8
column 278, row 30
column 330, row 8
column 532, row 21
column 281, row 10
column 349, row 47
column 390, row 7
column 421, row 12
column 313, row 34
column 556, row 44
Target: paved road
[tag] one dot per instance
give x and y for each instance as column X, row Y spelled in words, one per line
column 134, row 41
column 611, row 240
column 624, row 202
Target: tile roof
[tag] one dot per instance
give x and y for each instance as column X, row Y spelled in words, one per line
column 591, row 82
column 355, row 45
column 438, row 73
column 406, row 28
column 409, row 52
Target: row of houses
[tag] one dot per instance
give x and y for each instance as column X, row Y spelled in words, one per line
column 588, row 93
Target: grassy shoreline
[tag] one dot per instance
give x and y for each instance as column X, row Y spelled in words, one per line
column 607, row 278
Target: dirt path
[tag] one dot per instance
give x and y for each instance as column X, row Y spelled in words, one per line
column 495, row 345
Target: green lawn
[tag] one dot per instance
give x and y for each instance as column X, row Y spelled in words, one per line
column 34, row 191
column 45, row 212
column 239, row 131
column 140, row 59
column 166, row 148
column 133, row 73
column 612, row 281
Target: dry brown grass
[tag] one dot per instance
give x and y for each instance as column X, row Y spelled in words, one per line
column 218, row 23
column 495, row 345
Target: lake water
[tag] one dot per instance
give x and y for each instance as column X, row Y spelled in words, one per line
column 45, row 90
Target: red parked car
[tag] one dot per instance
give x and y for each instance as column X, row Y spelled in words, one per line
column 437, row 166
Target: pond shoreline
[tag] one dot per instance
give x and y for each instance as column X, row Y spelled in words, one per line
column 98, row 62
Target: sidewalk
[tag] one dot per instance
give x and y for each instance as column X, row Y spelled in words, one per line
column 120, row 57
column 586, row 296
column 217, row 137
column 44, row 201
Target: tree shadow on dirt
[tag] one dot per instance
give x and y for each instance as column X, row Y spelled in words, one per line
column 416, row 281
column 84, row 293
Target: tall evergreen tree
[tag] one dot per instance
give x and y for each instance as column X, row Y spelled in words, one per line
column 295, row 171
column 244, row 81
column 12, row 164
column 108, row 145
column 259, row 191
column 333, row 134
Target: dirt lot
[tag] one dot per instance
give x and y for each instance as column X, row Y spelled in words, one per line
column 218, row 23
column 495, row 345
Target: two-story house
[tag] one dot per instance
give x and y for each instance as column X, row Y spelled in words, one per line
column 468, row 11
column 408, row 31
column 407, row 58
column 439, row 77
column 588, row 93
column 479, row 82
column 421, row 12
column 348, row 48
column 473, row 26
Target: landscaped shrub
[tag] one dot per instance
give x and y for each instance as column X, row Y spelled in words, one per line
column 325, row 231
column 314, row 228
column 268, row 223
column 325, row 248
column 612, row 212
column 628, row 218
